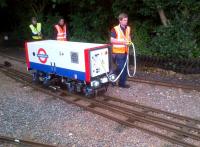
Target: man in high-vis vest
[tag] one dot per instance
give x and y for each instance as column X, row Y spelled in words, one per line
column 120, row 39
column 60, row 30
column 36, row 29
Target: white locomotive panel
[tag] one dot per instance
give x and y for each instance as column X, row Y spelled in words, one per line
column 68, row 59
column 99, row 61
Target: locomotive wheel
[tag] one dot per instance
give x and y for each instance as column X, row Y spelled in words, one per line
column 95, row 93
column 36, row 78
column 106, row 88
column 46, row 83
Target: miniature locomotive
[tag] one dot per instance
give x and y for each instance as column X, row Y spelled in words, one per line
column 81, row 67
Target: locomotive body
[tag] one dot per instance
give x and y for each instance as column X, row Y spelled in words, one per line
column 82, row 67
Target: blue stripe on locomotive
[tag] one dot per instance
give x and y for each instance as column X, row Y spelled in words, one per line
column 58, row 71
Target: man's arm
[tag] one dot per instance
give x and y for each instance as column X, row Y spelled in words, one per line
column 67, row 32
column 116, row 41
column 113, row 39
column 54, row 34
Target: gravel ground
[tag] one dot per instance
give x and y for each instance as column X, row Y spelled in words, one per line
column 168, row 76
column 183, row 102
column 32, row 115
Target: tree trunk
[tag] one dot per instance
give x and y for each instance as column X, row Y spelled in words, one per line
column 163, row 17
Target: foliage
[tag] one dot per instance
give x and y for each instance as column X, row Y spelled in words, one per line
column 48, row 22
column 175, row 41
column 91, row 21
column 180, row 38
column 141, row 38
column 89, row 26
column 3, row 3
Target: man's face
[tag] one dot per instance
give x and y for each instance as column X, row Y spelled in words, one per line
column 34, row 22
column 61, row 22
column 124, row 22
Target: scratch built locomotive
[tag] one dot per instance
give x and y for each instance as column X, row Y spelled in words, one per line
column 81, row 67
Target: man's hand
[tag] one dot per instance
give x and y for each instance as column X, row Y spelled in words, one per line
column 39, row 34
column 128, row 43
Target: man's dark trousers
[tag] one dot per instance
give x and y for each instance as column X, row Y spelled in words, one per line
column 120, row 60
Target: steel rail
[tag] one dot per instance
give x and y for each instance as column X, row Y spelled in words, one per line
column 165, row 84
column 159, row 123
column 22, row 60
column 151, row 109
column 127, row 122
column 22, row 142
column 151, row 117
column 135, row 79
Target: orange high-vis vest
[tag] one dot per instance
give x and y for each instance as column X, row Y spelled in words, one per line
column 121, row 49
column 61, row 35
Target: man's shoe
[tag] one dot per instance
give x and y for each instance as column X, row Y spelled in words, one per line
column 124, row 86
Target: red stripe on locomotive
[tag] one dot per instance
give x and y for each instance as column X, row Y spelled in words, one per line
column 27, row 57
column 87, row 65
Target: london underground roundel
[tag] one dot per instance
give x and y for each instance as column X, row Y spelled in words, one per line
column 42, row 55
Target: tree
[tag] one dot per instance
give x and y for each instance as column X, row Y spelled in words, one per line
column 160, row 27
column 3, row 3
column 178, row 39
column 158, row 6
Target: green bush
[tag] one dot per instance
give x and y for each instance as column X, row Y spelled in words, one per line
column 175, row 41
column 89, row 27
column 141, row 38
column 91, row 21
column 48, row 22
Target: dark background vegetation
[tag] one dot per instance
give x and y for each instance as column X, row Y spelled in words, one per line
column 163, row 28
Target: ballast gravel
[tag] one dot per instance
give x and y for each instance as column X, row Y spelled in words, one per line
column 31, row 115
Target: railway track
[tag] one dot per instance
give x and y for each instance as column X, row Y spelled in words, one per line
column 135, row 79
column 20, row 142
column 165, row 84
column 174, row 128
column 22, row 60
